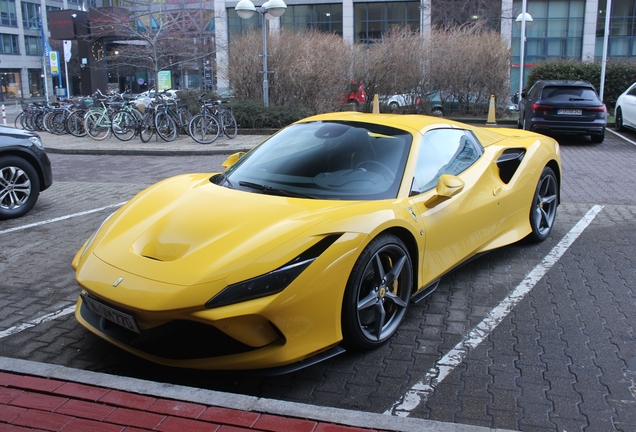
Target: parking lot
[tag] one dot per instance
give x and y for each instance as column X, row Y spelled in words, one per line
column 529, row 337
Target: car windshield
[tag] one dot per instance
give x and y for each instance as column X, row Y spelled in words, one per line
column 325, row 160
column 569, row 93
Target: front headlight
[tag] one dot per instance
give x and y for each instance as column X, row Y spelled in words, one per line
column 272, row 282
column 37, row 141
column 90, row 240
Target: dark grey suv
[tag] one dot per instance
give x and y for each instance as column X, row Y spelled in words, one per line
column 563, row 107
column 25, row 171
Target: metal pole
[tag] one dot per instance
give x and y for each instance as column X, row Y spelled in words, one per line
column 265, row 82
column 522, row 59
column 608, row 12
column 44, row 59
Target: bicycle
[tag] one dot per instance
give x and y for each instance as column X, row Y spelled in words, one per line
column 98, row 120
column 75, row 121
column 204, row 127
column 125, row 123
column 226, row 119
column 147, row 123
column 169, row 118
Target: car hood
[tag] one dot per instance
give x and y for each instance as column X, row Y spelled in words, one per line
column 187, row 231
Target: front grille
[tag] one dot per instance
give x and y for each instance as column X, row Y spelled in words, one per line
column 175, row 340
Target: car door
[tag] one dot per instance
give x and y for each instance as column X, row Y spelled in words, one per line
column 629, row 108
column 457, row 226
column 526, row 105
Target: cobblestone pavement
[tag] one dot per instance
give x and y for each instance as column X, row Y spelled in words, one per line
column 562, row 360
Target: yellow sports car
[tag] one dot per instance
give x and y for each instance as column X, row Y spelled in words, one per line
column 314, row 242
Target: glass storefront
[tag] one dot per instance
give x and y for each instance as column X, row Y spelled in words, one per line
column 36, row 83
column 10, row 84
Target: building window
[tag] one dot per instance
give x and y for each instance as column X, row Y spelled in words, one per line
column 31, row 16
column 237, row 25
column 622, row 35
column 7, row 13
column 371, row 20
column 33, row 45
column 321, row 17
column 556, row 30
column 10, row 83
column 9, row 44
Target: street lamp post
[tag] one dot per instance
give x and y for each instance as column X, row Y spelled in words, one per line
column 522, row 18
column 270, row 10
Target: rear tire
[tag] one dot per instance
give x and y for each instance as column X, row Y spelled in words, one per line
column 204, row 128
column 166, row 127
column 94, row 125
column 597, row 139
column 124, row 125
column 230, row 128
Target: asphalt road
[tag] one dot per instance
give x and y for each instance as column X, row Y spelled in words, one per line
column 561, row 357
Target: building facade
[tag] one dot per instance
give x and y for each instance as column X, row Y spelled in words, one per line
column 559, row 29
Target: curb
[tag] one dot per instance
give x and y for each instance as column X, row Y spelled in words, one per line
column 234, row 401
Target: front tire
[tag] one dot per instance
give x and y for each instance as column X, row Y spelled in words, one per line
column 618, row 122
column 377, row 293
column 19, row 187
column 544, row 206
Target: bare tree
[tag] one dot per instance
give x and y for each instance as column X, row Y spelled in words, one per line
column 463, row 64
column 309, row 69
column 156, row 35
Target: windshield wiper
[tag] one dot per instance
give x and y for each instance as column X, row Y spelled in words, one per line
column 266, row 189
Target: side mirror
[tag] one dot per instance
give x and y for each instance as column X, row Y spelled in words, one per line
column 447, row 187
column 232, row 159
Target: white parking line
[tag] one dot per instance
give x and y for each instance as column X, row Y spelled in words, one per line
column 23, row 227
column 48, row 317
column 622, row 136
column 423, row 389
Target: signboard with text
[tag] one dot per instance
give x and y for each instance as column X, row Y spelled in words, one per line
column 165, row 80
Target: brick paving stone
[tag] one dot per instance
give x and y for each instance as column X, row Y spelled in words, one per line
column 8, row 413
column 42, row 420
column 268, row 422
column 82, row 425
column 81, row 391
column 176, row 424
column 230, row 416
column 8, row 394
column 38, row 401
column 128, row 400
column 179, row 409
column 85, row 410
column 135, row 418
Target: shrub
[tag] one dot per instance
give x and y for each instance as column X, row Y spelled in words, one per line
column 251, row 114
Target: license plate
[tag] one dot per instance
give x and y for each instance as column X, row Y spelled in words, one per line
column 570, row 111
column 113, row 315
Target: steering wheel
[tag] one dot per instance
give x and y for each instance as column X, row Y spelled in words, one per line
column 383, row 169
